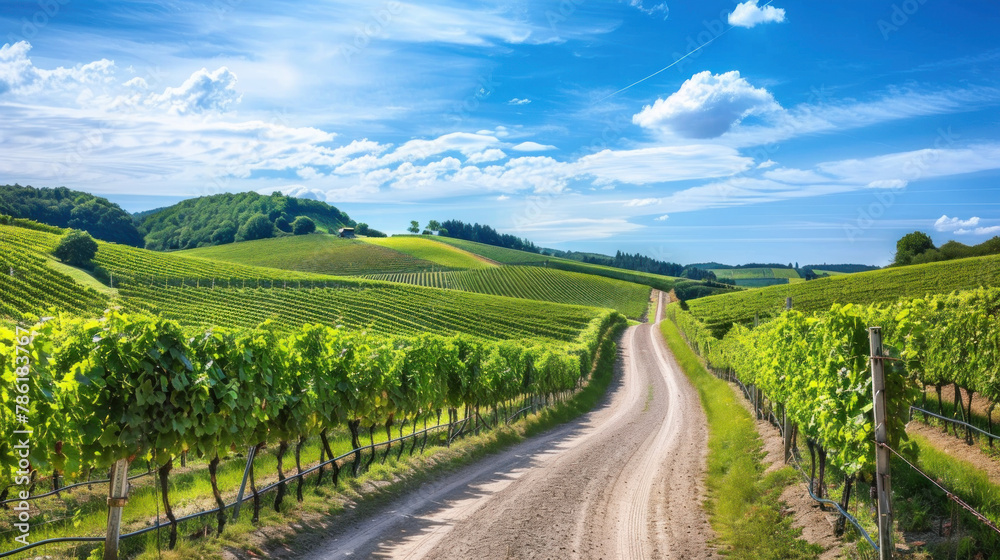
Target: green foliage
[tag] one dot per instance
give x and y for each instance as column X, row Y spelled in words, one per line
column 135, row 386
column 910, row 246
column 414, row 227
column 532, row 282
column 194, row 223
column 256, row 227
column 282, row 224
column 76, row 248
column 367, row 231
column 303, row 225
column 720, row 312
column 66, row 208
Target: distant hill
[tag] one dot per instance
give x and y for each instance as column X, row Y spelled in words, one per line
column 844, row 268
column 65, row 208
column 219, row 219
column 877, row 286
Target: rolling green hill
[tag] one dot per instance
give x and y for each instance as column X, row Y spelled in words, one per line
column 501, row 255
column 720, row 312
column 428, row 249
column 65, row 208
column 219, row 219
column 319, row 253
column 532, row 282
column 200, row 291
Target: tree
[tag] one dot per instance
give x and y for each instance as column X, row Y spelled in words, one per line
column 303, row 225
column 414, row 227
column 911, row 245
column 361, row 228
column 226, row 233
column 282, row 224
column 434, row 225
column 257, row 227
column 76, row 248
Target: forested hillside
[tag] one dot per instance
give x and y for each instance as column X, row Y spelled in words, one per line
column 225, row 218
column 67, row 208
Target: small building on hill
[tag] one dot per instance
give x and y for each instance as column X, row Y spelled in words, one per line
column 346, row 232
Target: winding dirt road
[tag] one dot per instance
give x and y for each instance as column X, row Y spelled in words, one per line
column 622, row 482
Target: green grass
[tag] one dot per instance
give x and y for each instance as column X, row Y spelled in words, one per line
column 743, row 503
column 721, row 311
column 318, row 253
column 501, row 255
column 532, row 282
column 431, row 250
column 829, row 272
column 919, row 506
column 82, row 277
column 746, row 273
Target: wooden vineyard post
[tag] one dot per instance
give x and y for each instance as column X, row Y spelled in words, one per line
column 117, row 496
column 787, row 424
column 883, row 484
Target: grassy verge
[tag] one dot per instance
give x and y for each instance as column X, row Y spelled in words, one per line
column 923, row 508
column 743, row 503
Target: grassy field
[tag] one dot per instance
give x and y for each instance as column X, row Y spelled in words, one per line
column 747, row 273
column 501, row 255
column 318, row 253
column 721, row 311
column 426, row 249
column 533, row 282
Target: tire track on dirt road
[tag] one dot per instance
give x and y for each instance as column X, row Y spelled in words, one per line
column 623, row 481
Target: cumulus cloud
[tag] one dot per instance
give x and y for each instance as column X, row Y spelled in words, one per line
column 503, row 197
column 956, row 225
column 532, row 147
column 492, row 154
column 707, row 106
column 748, row 14
column 19, row 76
column 517, row 101
column 663, row 218
column 203, row 92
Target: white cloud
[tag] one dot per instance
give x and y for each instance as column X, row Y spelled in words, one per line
column 795, row 176
column 663, row 164
column 707, row 106
column 637, row 202
column 987, row 230
column 944, row 223
column 203, row 92
column 492, row 154
column 916, row 164
column 503, row 197
column 532, row 147
column 658, row 8
column 767, row 164
column 748, row 14
column 18, row 76
column 887, row 184
column 663, row 218
column 517, row 101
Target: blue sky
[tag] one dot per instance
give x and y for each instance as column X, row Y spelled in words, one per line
column 688, row 131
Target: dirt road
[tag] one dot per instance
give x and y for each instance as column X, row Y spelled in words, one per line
column 624, row 481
